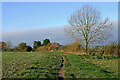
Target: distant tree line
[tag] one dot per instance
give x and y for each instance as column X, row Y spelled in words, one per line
column 23, row 47
column 109, row 49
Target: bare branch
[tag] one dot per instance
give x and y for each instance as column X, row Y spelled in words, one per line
column 86, row 25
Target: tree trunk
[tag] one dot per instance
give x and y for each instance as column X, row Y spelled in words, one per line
column 86, row 48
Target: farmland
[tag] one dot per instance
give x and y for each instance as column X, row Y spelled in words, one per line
column 47, row 65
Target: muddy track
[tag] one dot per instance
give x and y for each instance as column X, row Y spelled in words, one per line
column 61, row 72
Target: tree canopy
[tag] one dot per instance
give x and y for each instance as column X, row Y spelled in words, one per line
column 86, row 26
column 36, row 44
column 46, row 42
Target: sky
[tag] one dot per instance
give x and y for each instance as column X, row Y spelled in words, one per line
column 32, row 15
column 19, row 18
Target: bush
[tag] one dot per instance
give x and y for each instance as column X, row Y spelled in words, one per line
column 28, row 49
column 74, row 47
column 109, row 49
column 42, row 48
column 22, row 47
column 46, row 42
column 36, row 44
column 53, row 46
column 16, row 49
column 49, row 48
column 99, row 57
column 3, row 46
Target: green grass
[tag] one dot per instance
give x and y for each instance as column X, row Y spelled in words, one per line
column 47, row 65
column 0, row 65
column 87, row 67
column 30, row 65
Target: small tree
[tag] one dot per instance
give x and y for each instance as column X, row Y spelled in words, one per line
column 28, row 48
column 53, row 46
column 16, row 49
column 24, row 47
column 118, row 48
column 87, row 26
column 36, row 44
column 8, row 45
column 3, row 46
column 46, row 42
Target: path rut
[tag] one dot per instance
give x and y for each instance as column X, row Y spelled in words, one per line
column 61, row 72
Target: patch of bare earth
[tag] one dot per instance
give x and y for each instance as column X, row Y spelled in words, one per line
column 61, row 72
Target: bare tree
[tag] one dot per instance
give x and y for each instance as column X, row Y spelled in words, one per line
column 87, row 26
column 8, row 45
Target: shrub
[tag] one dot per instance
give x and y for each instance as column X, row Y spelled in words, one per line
column 49, row 44
column 28, row 49
column 56, row 48
column 74, row 47
column 99, row 57
column 42, row 48
column 16, row 49
column 109, row 49
column 46, row 42
column 49, row 48
column 53, row 46
column 23, row 48
column 3, row 46
column 36, row 44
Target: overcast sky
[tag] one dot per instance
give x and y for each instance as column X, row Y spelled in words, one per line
column 30, row 21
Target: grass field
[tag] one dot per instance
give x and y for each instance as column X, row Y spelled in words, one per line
column 47, row 65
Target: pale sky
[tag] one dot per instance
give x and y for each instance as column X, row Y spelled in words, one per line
column 33, row 15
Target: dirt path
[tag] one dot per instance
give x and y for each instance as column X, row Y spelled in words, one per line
column 61, row 72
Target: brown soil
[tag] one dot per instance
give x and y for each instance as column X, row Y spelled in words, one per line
column 61, row 72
